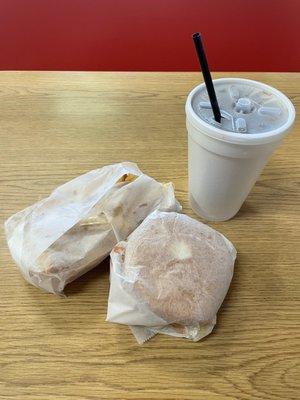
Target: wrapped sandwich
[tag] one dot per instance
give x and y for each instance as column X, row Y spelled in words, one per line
column 170, row 276
column 59, row 238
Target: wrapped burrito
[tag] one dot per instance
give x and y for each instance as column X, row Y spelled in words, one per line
column 170, row 277
column 59, row 238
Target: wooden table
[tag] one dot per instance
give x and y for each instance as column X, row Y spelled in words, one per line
column 55, row 126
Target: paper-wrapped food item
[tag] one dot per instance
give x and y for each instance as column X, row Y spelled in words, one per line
column 65, row 235
column 170, row 276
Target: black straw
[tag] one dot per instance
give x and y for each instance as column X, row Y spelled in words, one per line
column 206, row 75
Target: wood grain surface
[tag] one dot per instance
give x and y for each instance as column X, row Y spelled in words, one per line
column 55, row 126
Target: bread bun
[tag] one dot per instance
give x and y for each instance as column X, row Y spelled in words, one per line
column 184, row 267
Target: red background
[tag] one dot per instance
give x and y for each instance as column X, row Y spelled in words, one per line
column 149, row 35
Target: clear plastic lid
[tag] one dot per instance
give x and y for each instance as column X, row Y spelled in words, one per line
column 245, row 108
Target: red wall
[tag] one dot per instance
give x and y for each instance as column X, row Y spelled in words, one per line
column 240, row 35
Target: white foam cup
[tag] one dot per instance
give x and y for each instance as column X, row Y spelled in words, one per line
column 224, row 165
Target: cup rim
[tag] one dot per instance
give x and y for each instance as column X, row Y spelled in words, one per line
column 235, row 137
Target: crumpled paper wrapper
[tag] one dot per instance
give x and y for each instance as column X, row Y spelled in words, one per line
column 170, row 276
column 59, row 238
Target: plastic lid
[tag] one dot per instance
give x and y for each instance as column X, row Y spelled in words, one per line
column 247, row 107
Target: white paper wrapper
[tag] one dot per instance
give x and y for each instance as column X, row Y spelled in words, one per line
column 65, row 235
column 170, row 259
